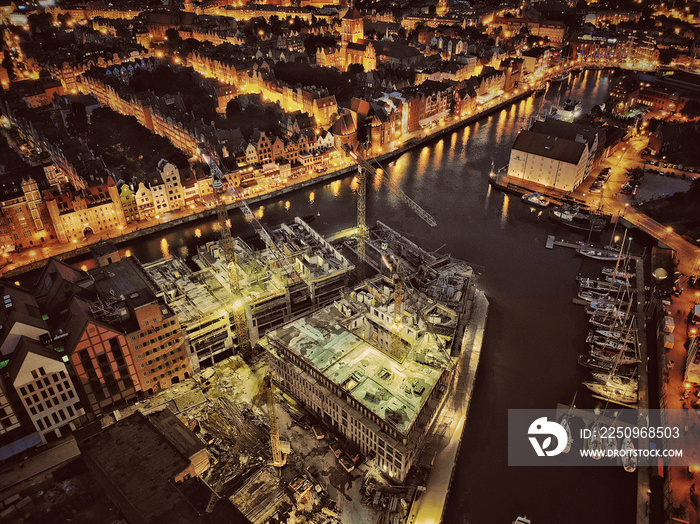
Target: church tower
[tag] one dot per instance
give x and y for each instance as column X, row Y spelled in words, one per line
column 352, row 27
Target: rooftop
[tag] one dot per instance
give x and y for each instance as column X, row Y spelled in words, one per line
column 133, row 458
column 394, row 391
column 548, row 146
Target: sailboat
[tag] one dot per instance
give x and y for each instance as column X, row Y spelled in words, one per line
column 595, row 443
column 597, row 254
column 606, row 319
column 598, row 285
column 618, row 380
column 618, row 394
column 629, row 460
column 564, row 422
column 618, row 273
column 614, row 388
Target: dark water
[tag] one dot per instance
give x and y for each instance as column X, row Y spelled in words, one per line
column 534, row 332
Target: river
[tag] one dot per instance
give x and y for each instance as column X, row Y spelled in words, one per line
column 534, row 332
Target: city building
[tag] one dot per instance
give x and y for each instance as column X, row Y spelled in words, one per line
column 554, row 154
column 377, row 384
column 76, row 213
column 120, row 339
column 169, row 458
column 40, row 376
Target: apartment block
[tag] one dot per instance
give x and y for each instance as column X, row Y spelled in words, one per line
column 379, row 387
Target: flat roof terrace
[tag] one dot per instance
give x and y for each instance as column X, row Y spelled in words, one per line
column 394, row 391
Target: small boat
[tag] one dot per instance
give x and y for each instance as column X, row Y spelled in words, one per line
column 608, row 344
column 522, row 520
column 606, row 306
column 597, row 254
column 623, row 395
column 619, row 273
column 535, row 199
column 611, row 333
column 594, row 363
column 561, row 78
column 595, row 443
column 629, row 460
column 617, row 281
column 610, row 444
column 606, row 319
column 564, row 422
column 590, row 296
column 615, row 380
column 571, row 215
column 599, row 285
column 613, row 357
column 597, row 364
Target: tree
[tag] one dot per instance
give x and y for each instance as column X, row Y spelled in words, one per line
column 691, row 109
column 40, row 22
column 596, row 111
column 174, row 41
column 8, row 65
column 356, row 69
column 233, row 109
column 124, row 32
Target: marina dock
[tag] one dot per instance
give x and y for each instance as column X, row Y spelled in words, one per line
column 643, row 473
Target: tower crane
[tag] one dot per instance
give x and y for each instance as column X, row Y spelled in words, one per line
column 278, row 458
column 221, row 187
column 396, row 344
column 364, row 167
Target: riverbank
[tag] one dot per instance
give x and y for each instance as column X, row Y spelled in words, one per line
column 430, row 506
column 413, row 142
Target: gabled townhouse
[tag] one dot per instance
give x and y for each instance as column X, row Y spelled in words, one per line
column 79, row 212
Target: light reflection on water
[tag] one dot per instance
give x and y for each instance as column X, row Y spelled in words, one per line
column 504, row 210
column 164, row 248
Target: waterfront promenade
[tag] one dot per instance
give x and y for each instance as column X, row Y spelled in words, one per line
column 444, row 447
column 30, row 259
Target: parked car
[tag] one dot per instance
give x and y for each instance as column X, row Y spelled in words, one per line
column 627, row 189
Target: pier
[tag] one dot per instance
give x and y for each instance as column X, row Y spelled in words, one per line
column 441, row 453
column 644, row 472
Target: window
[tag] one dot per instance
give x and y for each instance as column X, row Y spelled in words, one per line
column 40, row 425
column 42, row 372
column 34, row 374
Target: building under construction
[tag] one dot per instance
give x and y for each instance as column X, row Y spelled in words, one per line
column 204, row 302
column 377, row 365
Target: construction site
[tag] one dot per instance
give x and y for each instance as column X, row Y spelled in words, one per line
column 332, row 374
column 204, row 302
